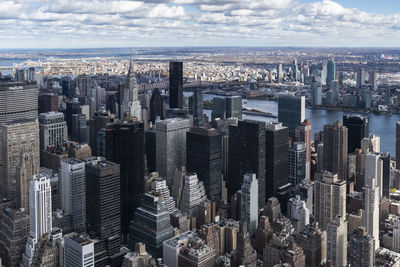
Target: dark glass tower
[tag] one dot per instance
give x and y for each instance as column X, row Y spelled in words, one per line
column 197, row 107
column 386, row 174
column 358, row 128
column 247, row 155
column 204, row 157
column 73, row 107
column 176, row 85
column 151, row 151
column 151, row 225
column 103, row 210
column 335, row 149
column 99, row 121
column 156, row 106
column 123, row 143
column 276, row 160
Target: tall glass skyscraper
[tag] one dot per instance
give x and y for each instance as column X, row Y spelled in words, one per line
column 204, row 157
column 176, row 85
column 291, row 110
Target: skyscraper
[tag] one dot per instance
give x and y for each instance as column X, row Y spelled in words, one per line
column 291, row 110
column 80, row 129
column 247, row 144
column 371, row 210
column 131, row 104
column 358, row 128
column 197, row 107
column 193, row 194
column 362, row 251
column 233, row 107
column 330, row 198
column 40, row 214
column 99, row 121
column 303, row 134
column 373, row 80
column 316, row 94
column 374, row 169
column 171, row 146
column 78, row 251
column 123, row 143
column 298, row 213
column 73, row 107
column 40, row 206
column 103, row 204
column 297, row 163
column 279, row 73
column 335, row 149
column 14, row 231
column 72, row 192
column 336, row 233
column 398, row 145
column 245, row 254
column 24, row 99
column 157, row 106
column 19, row 160
column 159, row 185
column 151, row 225
column 176, row 85
column 360, row 78
column 219, row 108
column 331, row 71
column 249, row 198
column 313, row 241
column 276, row 161
column 53, row 129
column 204, row 157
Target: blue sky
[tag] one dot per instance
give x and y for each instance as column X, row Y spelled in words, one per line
column 373, row 6
column 116, row 23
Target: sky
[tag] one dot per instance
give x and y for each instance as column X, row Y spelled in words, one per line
column 163, row 23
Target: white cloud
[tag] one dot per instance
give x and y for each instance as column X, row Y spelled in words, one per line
column 193, row 22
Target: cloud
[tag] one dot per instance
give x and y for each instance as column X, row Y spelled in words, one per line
column 192, row 22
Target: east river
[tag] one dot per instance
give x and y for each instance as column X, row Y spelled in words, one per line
column 383, row 126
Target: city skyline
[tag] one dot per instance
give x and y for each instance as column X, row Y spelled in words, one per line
column 180, row 23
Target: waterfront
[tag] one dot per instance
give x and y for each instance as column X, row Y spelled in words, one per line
column 383, row 126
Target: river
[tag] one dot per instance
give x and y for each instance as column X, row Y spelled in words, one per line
column 383, row 126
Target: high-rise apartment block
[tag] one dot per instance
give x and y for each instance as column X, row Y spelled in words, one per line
column 330, row 198
column 371, row 209
column 297, row 163
column 249, row 198
column 337, row 242
column 303, row 134
column 361, row 248
column 335, row 149
column 14, row 231
column 316, row 94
